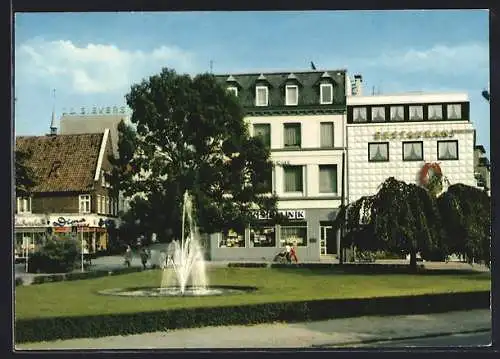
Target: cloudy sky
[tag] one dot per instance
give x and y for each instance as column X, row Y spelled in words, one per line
column 91, row 59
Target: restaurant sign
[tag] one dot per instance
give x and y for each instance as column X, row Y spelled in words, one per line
column 412, row 134
column 297, row 214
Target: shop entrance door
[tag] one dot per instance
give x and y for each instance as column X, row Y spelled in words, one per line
column 328, row 242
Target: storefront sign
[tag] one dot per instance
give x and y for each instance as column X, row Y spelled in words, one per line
column 61, row 222
column 29, row 222
column 395, row 135
column 297, row 214
column 388, row 135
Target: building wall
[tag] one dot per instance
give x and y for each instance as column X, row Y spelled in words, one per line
column 364, row 177
column 55, row 203
column 311, row 252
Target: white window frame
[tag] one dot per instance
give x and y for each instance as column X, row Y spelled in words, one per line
column 26, row 202
column 287, row 99
column 257, row 88
column 98, row 200
column 106, row 205
column 234, row 90
column 83, row 200
column 330, row 166
column 103, row 179
column 321, row 87
column 332, row 123
column 286, row 193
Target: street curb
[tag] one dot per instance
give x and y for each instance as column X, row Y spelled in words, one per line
column 390, row 339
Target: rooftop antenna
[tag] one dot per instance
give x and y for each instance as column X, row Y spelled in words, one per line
column 53, row 128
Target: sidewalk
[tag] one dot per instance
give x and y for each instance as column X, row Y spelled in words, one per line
column 322, row 334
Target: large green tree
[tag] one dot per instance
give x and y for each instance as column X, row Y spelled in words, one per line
column 24, row 176
column 466, row 214
column 399, row 217
column 190, row 135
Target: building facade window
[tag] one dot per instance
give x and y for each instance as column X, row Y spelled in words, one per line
column 293, row 178
column 326, row 135
column 98, row 200
column 359, row 114
column 326, row 94
column 232, row 239
column 454, row 111
column 294, row 235
column 103, row 205
column 435, row 112
column 447, row 150
column 262, row 235
column 416, row 113
column 292, row 95
column 397, row 113
column 263, row 131
column 84, row 203
column 103, row 179
column 378, row 151
column 378, row 114
column 328, row 178
column 292, row 134
column 233, row 90
column 23, row 204
column 413, row 151
column 261, row 96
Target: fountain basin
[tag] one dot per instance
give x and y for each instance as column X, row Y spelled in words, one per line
column 176, row 292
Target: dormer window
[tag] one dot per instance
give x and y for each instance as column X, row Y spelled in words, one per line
column 292, row 95
column 233, row 90
column 261, row 96
column 326, row 94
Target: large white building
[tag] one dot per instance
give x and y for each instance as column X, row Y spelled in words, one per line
column 301, row 117
column 396, row 135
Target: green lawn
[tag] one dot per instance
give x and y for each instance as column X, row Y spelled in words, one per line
column 80, row 297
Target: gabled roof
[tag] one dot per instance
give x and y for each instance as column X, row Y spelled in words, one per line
column 62, row 163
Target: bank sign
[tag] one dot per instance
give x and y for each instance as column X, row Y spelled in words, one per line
column 297, row 214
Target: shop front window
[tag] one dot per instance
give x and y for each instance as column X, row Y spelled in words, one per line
column 232, row 239
column 294, row 235
column 262, row 236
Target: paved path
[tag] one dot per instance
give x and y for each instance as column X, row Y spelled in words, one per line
column 328, row 333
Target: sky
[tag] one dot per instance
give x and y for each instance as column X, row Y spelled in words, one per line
column 92, row 59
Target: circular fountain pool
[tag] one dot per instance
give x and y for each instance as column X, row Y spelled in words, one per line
column 176, row 292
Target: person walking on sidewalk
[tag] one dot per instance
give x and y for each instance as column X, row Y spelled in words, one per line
column 128, row 256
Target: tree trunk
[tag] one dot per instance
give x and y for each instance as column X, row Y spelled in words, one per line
column 413, row 259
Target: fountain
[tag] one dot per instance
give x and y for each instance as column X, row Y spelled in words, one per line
column 183, row 266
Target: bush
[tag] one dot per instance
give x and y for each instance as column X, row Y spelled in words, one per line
column 48, row 329
column 19, row 281
column 56, row 256
column 247, row 265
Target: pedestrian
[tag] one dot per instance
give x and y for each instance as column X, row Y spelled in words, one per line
column 144, row 257
column 288, row 249
column 128, row 256
column 293, row 253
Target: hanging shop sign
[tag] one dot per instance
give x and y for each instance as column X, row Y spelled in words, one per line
column 297, row 214
column 431, row 177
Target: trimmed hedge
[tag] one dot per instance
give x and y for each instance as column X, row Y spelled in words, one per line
column 372, row 268
column 49, row 329
column 248, row 265
column 83, row 275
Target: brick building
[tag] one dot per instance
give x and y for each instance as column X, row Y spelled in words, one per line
column 72, row 192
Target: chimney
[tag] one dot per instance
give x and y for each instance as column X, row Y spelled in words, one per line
column 358, row 85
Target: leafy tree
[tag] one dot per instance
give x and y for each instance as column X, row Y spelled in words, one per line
column 191, row 136
column 25, row 177
column 465, row 211
column 399, row 217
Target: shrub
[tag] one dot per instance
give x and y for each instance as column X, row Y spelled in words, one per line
column 19, row 281
column 46, row 329
column 247, row 265
column 56, row 256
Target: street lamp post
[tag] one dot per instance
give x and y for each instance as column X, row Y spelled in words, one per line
column 81, row 238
